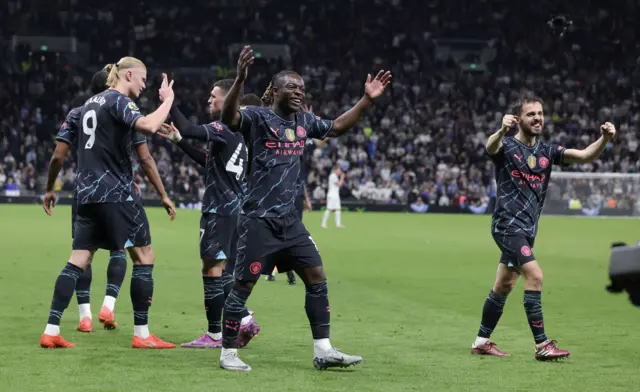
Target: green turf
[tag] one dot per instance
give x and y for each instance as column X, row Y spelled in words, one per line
column 406, row 293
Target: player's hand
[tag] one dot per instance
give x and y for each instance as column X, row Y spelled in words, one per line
column 307, row 108
column 137, row 188
column 374, row 88
column 608, row 130
column 49, row 202
column 170, row 132
column 170, row 207
column 508, row 121
column 245, row 60
column 166, row 89
column 307, row 205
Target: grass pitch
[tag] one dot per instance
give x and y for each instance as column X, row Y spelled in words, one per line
column 406, row 293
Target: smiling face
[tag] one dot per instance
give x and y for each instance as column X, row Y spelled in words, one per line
column 531, row 119
column 288, row 93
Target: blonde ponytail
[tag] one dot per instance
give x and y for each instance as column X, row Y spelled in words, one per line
column 113, row 70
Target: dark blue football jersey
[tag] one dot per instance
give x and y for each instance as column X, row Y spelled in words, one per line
column 68, row 133
column 522, row 178
column 305, row 164
column 105, row 173
column 275, row 146
column 226, row 165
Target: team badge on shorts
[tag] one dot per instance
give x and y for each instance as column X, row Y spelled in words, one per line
column 255, row 267
column 531, row 161
column 290, row 134
column 544, row 162
column 526, row 251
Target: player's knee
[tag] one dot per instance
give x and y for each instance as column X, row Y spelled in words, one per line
column 245, row 286
column 213, row 268
column 533, row 280
column 81, row 258
column 504, row 287
column 143, row 255
column 313, row 275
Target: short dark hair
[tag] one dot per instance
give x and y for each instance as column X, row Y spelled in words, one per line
column 267, row 97
column 99, row 82
column 224, row 84
column 250, row 100
column 516, row 107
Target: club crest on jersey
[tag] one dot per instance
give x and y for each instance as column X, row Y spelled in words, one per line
column 544, row 162
column 289, row 134
column 531, row 161
column 217, row 126
column 133, row 107
column 301, row 132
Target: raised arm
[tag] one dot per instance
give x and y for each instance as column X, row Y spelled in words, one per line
column 148, row 165
column 593, row 151
column 149, row 124
column 230, row 115
column 372, row 90
column 494, row 143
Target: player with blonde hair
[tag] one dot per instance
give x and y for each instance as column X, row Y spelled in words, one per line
column 110, row 215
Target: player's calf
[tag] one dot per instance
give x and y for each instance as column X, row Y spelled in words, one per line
column 141, row 297
column 234, row 308
column 62, row 294
column 83, row 295
column 116, row 271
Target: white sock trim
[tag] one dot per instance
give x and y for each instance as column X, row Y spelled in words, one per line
column 84, row 310
column 141, row 331
column 109, row 302
column 52, row 330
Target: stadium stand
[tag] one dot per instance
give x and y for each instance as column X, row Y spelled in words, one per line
column 422, row 144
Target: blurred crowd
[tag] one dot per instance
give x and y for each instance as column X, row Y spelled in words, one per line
column 421, row 144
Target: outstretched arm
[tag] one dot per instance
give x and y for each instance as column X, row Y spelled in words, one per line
column 372, row 90
column 230, row 115
column 593, row 151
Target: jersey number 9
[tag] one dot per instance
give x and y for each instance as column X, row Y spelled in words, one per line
column 89, row 125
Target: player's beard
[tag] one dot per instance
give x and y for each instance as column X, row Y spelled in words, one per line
column 528, row 131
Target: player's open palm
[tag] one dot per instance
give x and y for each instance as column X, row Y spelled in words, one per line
column 244, row 61
column 307, row 108
column 49, row 202
column 166, row 88
column 608, row 130
column 374, row 88
column 508, row 121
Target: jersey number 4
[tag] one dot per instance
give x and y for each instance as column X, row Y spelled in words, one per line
column 235, row 164
column 89, row 126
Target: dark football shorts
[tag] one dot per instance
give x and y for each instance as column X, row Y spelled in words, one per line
column 74, row 215
column 265, row 243
column 517, row 250
column 111, row 226
column 218, row 237
column 299, row 205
